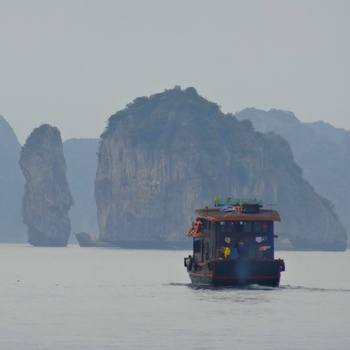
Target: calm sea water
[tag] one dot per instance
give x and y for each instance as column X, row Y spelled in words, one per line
column 91, row 298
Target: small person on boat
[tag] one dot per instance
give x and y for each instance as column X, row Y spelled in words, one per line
column 236, row 251
column 227, row 252
column 196, row 227
column 238, row 208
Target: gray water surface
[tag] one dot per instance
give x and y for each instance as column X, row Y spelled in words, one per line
column 93, row 298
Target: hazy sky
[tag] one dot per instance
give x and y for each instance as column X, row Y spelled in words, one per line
column 74, row 63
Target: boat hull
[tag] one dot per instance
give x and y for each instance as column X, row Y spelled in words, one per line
column 237, row 272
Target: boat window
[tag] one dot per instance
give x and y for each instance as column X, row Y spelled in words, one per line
column 257, row 226
column 264, row 226
column 197, row 246
column 205, row 223
column 244, row 226
column 229, row 226
column 261, row 226
column 222, row 225
column 202, row 249
column 239, row 226
column 247, row 226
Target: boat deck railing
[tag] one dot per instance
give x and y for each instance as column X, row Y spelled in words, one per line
column 234, row 201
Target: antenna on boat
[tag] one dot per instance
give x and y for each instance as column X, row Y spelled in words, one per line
column 271, row 206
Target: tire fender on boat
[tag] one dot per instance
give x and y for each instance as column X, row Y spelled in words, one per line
column 188, row 262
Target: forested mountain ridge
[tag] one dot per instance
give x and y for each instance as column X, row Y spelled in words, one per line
column 164, row 156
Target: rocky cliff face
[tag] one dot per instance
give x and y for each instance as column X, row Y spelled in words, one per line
column 319, row 149
column 47, row 198
column 164, row 156
column 12, row 229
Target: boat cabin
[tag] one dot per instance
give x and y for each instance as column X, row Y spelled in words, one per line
column 233, row 244
column 234, row 229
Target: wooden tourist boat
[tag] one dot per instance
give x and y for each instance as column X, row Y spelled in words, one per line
column 233, row 245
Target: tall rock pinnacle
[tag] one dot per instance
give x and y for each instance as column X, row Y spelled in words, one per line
column 47, row 197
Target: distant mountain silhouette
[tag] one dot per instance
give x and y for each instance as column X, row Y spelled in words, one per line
column 321, row 128
column 12, row 229
column 322, row 151
column 81, row 160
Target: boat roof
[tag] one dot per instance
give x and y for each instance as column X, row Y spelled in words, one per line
column 217, row 214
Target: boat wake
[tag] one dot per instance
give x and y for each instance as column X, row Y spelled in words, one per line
column 221, row 288
column 313, row 289
column 177, row 284
column 258, row 288
column 209, row 287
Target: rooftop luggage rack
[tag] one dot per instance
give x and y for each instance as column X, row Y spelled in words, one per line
column 234, row 201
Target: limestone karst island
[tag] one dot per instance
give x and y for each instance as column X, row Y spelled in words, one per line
column 157, row 161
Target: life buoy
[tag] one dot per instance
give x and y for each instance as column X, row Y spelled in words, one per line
column 189, row 263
